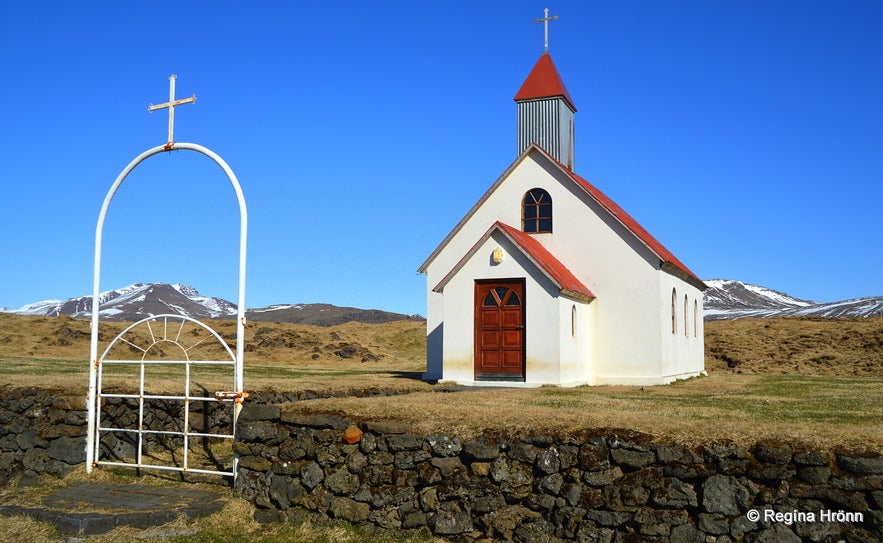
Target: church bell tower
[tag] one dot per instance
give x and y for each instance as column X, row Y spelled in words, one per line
column 545, row 108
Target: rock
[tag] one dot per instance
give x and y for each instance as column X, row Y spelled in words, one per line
column 594, row 454
column 523, row 452
column 632, row 459
column 551, row 484
column 541, row 531
column 255, row 463
column 410, row 459
column 814, row 474
column 348, row 509
column 480, row 451
column 352, row 434
column 685, row 533
column 675, row 494
column 68, row 450
column 722, row 494
column 772, row 453
column 264, row 431
column 448, row 465
column 444, row 445
column 810, row 458
column 861, row 466
column 252, row 486
column 776, row 533
column 404, row 442
column 315, row 420
column 311, row 475
column 342, row 482
column 502, row 523
column 258, row 411
column 515, row 478
column 548, row 461
column 452, row 519
column 603, row 477
column 385, row 427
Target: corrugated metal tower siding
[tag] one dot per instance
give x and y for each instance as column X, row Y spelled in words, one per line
column 546, row 123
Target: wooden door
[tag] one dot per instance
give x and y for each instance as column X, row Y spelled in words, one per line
column 499, row 330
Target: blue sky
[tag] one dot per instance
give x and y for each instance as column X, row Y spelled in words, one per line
column 746, row 136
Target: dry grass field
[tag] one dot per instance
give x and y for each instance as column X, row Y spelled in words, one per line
column 812, row 381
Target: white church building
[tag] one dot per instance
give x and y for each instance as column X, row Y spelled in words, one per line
column 547, row 281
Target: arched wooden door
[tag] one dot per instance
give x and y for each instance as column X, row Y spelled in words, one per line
column 499, row 330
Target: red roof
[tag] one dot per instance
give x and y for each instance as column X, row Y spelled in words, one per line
column 664, row 254
column 544, row 82
column 557, row 272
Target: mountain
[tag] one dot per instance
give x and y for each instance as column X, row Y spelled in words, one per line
column 323, row 315
column 140, row 300
column 135, row 302
column 724, row 299
column 729, row 299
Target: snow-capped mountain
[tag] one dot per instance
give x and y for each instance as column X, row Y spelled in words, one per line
column 140, row 300
column 728, row 299
column 135, row 302
column 724, row 299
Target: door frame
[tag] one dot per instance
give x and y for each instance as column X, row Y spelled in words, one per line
column 476, row 330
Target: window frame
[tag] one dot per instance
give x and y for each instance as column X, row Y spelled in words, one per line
column 542, row 211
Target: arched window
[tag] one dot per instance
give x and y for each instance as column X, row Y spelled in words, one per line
column 674, row 311
column 536, row 212
column 573, row 321
column 695, row 318
column 686, row 332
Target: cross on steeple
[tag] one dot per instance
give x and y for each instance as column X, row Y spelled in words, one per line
column 171, row 107
column 545, row 20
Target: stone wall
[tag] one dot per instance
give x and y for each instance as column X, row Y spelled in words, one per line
column 592, row 488
column 603, row 487
column 44, row 431
column 40, row 432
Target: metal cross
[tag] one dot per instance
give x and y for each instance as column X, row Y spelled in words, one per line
column 545, row 20
column 171, row 107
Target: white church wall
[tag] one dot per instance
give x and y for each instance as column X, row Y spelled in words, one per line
column 434, row 335
column 683, row 346
column 615, row 266
column 576, row 337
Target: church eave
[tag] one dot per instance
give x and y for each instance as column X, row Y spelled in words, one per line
column 678, row 272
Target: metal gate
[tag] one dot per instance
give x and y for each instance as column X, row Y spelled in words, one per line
column 159, row 331
column 199, row 356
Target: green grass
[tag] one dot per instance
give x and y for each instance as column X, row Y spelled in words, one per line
column 769, row 398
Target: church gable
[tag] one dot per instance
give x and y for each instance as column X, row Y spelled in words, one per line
column 511, row 200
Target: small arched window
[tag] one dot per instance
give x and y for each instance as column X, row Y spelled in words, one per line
column 686, row 329
column 674, row 311
column 536, row 212
column 695, row 318
column 573, row 321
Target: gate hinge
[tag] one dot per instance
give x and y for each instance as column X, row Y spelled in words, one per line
column 236, row 396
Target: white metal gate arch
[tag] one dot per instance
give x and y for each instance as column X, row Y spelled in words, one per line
column 236, row 395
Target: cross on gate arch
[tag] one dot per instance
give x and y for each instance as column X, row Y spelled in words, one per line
column 159, row 335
